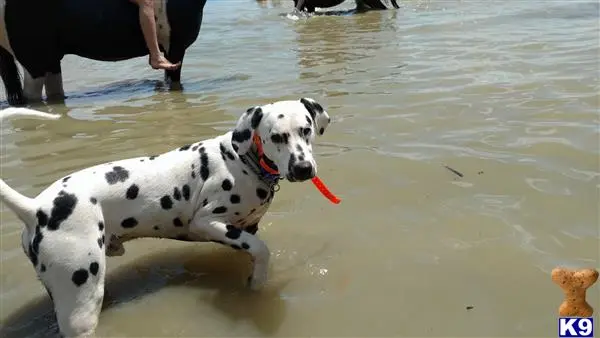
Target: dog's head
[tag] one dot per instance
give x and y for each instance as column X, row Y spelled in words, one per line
column 286, row 130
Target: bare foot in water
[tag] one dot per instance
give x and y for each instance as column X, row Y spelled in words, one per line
column 160, row 62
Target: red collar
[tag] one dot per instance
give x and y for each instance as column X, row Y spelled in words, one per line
column 261, row 156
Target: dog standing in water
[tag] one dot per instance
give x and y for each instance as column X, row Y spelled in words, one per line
column 212, row 190
column 308, row 6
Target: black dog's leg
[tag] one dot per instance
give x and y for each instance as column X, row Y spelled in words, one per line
column 54, row 84
column 175, row 55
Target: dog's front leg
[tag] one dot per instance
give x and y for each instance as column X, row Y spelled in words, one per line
column 218, row 231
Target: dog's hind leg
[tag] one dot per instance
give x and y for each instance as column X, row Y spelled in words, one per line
column 74, row 273
column 54, row 83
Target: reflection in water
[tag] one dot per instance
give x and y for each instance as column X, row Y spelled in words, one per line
column 334, row 40
column 338, row 41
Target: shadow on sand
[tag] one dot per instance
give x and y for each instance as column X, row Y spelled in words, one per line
column 220, row 270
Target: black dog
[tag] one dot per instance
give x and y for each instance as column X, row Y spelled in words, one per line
column 309, row 6
column 104, row 30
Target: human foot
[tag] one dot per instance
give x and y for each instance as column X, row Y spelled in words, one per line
column 160, row 62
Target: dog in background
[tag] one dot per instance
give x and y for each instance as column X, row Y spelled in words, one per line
column 308, row 6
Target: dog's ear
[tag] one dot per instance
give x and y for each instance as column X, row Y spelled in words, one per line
column 241, row 139
column 317, row 114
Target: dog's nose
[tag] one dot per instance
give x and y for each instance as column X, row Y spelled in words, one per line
column 303, row 170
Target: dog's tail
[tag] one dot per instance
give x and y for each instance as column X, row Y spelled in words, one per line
column 21, row 205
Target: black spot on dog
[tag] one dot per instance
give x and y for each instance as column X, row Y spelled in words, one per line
column 235, row 147
column 205, row 202
column 240, row 136
column 204, row 171
column 177, row 222
column 176, row 194
column 101, row 241
column 118, row 174
column 226, row 185
column 237, row 213
column 101, row 226
column 244, row 171
column 220, row 210
column 129, row 222
column 42, row 268
column 34, row 246
column 235, row 246
column 233, row 232
column 64, row 180
column 261, row 193
column 80, row 277
column 156, row 227
column 193, row 174
column 256, row 118
column 280, row 138
column 245, row 246
column 132, row 192
column 93, row 200
column 166, row 202
column 321, row 131
column 309, row 120
column 280, row 116
column 252, row 211
column 142, row 160
column 226, row 153
column 63, row 206
column 152, row 157
column 185, row 147
column 94, row 267
column 42, row 218
column 252, row 229
column 186, row 192
column 194, row 148
column 235, row 199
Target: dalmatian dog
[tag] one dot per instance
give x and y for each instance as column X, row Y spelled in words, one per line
column 213, row 190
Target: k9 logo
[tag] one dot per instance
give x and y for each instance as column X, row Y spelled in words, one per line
column 576, row 327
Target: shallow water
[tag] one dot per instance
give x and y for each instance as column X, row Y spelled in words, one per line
column 503, row 92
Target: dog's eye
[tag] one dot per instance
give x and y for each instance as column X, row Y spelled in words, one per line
column 306, row 131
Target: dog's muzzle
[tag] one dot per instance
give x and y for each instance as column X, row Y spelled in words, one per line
column 301, row 171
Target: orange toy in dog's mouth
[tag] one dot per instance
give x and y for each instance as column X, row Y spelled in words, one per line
column 325, row 191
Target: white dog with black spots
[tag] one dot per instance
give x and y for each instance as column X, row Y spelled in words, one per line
column 214, row 190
